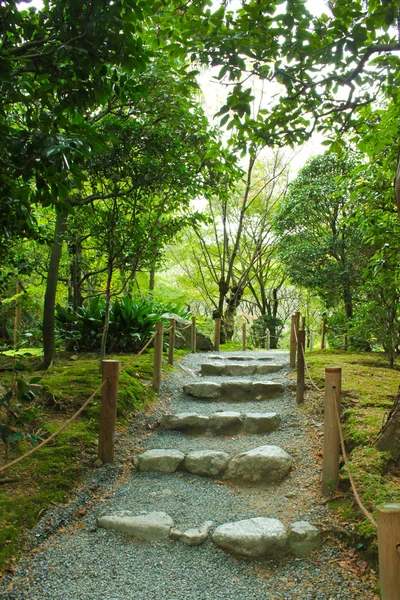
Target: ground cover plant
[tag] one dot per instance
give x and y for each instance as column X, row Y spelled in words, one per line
column 54, row 471
column 369, row 387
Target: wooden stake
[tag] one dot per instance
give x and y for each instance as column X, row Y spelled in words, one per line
column 330, row 465
column 293, row 343
column 323, row 334
column 193, row 335
column 217, row 333
column 301, row 336
column 158, row 348
column 108, row 410
column 172, row 323
column 311, row 341
column 267, row 339
column 244, row 337
column 388, row 519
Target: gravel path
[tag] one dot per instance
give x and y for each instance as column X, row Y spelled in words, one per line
column 81, row 562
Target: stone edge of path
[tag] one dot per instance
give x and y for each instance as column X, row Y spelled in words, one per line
column 254, row 538
column 222, row 422
column 234, row 390
column 236, row 369
column 261, row 466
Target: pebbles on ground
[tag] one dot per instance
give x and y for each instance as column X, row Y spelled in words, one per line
column 83, row 562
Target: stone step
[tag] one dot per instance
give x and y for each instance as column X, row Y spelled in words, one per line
column 260, row 466
column 257, row 537
column 240, row 358
column 267, row 537
column 234, row 390
column 237, row 369
column 222, row 422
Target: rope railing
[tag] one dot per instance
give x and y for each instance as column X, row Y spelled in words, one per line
column 308, row 372
column 306, row 365
column 360, row 503
column 53, row 435
column 128, row 364
column 183, row 328
column 74, row 416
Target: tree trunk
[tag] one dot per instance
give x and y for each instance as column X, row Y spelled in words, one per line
column 152, row 280
column 107, row 309
column 4, row 335
column 49, row 345
column 230, row 313
column 348, row 299
column 18, row 314
column 273, row 325
column 388, row 439
column 75, row 250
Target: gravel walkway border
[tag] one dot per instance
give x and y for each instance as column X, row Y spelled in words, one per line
column 74, row 560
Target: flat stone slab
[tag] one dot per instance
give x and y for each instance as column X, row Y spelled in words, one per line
column 237, row 370
column 150, row 526
column 222, row 422
column 212, row 369
column 252, row 537
column 267, row 388
column 166, row 461
column 261, row 422
column 261, row 465
column 182, row 421
column 304, row 538
column 193, row 537
column 265, row 369
column 226, row 421
column 204, row 389
column 242, row 358
column 235, row 390
column 206, row 462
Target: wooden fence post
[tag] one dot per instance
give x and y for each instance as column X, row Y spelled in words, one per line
column 323, row 330
column 171, row 341
column 292, row 360
column 158, row 348
column 388, row 519
column 301, row 336
column 217, row 333
column 267, row 339
column 108, row 410
column 244, row 337
column 193, row 330
column 330, row 465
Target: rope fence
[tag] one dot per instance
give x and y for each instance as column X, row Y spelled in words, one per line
column 360, row 503
column 53, row 435
column 183, row 328
column 111, row 370
column 387, row 522
column 128, row 364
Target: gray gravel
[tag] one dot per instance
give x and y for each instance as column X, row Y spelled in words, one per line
column 82, row 562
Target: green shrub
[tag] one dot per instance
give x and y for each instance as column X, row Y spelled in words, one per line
column 132, row 323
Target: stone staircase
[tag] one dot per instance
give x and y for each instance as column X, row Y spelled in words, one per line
column 258, row 466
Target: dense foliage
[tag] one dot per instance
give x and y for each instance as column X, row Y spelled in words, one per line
column 132, row 323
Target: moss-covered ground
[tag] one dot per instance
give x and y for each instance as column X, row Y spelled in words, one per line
column 368, row 390
column 52, row 472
